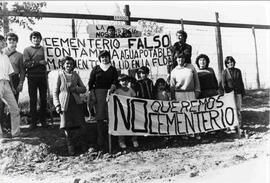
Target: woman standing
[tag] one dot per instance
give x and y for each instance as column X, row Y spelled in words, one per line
column 102, row 81
column 232, row 81
column 207, row 77
column 184, row 81
column 67, row 101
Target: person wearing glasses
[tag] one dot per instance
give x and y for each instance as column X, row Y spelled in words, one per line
column 17, row 78
column 6, row 91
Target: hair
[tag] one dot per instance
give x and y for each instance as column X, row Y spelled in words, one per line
column 227, row 59
column 2, row 38
column 158, row 81
column 126, row 33
column 104, row 53
column 123, row 77
column 36, row 34
column 179, row 54
column 66, row 58
column 202, row 56
column 144, row 70
column 11, row 34
column 183, row 33
column 110, row 27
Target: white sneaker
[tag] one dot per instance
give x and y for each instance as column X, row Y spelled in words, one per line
column 135, row 143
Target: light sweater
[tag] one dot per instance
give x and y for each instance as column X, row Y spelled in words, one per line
column 185, row 78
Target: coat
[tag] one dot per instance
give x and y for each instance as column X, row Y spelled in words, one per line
column 61, row 91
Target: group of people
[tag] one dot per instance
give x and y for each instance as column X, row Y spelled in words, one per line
column 14, row 67
column 185, row 82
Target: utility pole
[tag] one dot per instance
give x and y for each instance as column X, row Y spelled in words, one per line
column 127, row 13
column 256, row 54
column 182, row 24
column 73, row 28
column 5, row 19
column 219, row 50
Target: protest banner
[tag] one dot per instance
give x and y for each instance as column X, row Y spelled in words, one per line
column 135, row 116
column 126, row 53
column 100, row 31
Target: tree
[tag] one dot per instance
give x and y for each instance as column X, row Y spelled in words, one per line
column 22, row 13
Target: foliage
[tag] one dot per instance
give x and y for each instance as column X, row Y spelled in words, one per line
column 31, row 9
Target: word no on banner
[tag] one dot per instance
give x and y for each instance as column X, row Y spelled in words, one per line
column 126, row 53
column 135, row 116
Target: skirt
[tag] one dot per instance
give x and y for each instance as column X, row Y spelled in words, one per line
column 74, row 117
column 101, row 105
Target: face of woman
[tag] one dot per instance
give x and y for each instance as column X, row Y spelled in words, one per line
column 68, row 66
column 230, row 64
column 202, row 63
column 123, row 83
column 161, row 86
column 180, row 61
column 105, row 59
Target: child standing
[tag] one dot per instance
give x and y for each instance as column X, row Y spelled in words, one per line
column 145, row 85
column 67, row 101
column 123, row 89
column 232, row 81
column 161, row 90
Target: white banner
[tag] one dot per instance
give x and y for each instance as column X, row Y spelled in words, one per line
column 100, row 31
column 126, row 53
column 135, row 116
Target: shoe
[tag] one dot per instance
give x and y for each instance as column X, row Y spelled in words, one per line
column 198, row 137
column 7, row 135
column 122, row 145
column 135, row 144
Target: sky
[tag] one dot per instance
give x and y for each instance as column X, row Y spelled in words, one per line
column 236, row 42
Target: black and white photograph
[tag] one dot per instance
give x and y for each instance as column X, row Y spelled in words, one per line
column 134, row 91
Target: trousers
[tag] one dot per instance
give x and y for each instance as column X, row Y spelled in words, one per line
column 8, row 98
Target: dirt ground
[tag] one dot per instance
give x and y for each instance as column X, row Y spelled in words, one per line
column 41, row 156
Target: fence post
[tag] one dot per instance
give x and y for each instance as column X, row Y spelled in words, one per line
column 73, row 28
column 5, row 19
column 256, row 54
column 219, row 50
column 182, row 24
column 127, row 13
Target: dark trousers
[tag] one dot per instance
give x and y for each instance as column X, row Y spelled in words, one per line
column 38, row 83
column 4, row 117
column 102, row 134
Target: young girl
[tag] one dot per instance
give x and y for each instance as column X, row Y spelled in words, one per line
column 123, row 89
column 67, row 101
column 161, row 90
column 232, row 81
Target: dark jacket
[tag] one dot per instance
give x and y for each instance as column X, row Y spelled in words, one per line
column 232, row 80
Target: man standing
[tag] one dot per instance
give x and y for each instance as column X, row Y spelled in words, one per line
column 6, row 91
column 35, row 64
column 17, row 78
column 182, row 47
